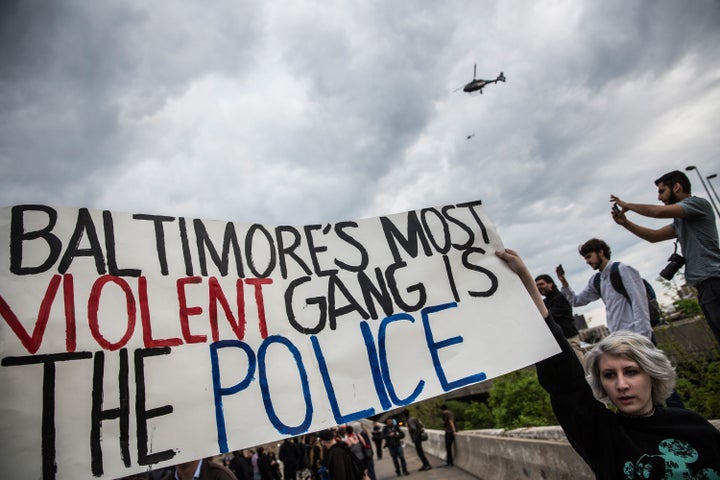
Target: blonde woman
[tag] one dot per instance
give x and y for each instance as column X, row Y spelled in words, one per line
column 638, row 437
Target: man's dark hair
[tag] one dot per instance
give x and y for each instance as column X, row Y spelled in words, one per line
column 676, row 176
column 595, row 245
column 547, row 279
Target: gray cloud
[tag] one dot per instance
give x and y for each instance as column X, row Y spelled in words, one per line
column 303, row 112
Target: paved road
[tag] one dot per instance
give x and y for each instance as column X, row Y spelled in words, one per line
column 384, row 469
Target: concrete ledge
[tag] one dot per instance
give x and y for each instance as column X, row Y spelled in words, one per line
column 524, row 453
column 497, row 454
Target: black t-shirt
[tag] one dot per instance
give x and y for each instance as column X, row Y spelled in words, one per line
column 671, row 443
column 561, row 312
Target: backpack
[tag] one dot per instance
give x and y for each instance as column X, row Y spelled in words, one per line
column 358, row 468
column 616, row 282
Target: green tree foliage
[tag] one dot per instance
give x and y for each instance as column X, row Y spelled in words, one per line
column 517, row 400
column 688, row 307
column 699, row 386
column 478, row 415
column 431, row 415
column 698, row 375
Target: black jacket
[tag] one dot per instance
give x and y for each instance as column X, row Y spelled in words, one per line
column 671, row 443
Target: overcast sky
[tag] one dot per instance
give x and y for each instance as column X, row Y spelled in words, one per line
column 304, row 111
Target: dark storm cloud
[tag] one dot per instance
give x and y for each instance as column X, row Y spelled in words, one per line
column 645, row 38
column 300, row 112
column 77, row 75
column 381, row 73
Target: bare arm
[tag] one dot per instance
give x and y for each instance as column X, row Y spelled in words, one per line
column 649, row 234
column 513, row 260
column 646, row 210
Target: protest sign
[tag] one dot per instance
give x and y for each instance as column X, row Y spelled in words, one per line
column 129, row 342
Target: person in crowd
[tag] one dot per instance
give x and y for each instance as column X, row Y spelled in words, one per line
column 448, row 420
column 622, row 313
column 638, row 438
column 291, row 456
column 561, row 311
column 274, row 464
column 629, row 312
column 338, row 457
column 695, row 228
column 360, row 447
column 416, row 429
column 378, row 441
column 315, row 455
column 203, row 469
column 241, row 466
column 261, row 465
column 393, row 436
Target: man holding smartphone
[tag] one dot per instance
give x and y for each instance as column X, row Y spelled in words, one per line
column 560, row 309
column 695, row 228
column 623, row 312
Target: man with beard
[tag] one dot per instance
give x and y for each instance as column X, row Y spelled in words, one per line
column 561, row 311
column 622, row 312
column 693, row 226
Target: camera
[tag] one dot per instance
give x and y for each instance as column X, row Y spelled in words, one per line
column 676, row 261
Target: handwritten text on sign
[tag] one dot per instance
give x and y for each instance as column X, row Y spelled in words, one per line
column 132, row 341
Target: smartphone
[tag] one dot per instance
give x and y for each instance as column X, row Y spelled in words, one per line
column 616, row 209
column 560, row 271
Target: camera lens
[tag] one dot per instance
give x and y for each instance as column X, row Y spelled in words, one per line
column 675, row 262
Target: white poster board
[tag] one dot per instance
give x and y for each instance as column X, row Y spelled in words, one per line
column 129, row 342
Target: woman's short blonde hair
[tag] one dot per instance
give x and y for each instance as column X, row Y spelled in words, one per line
column 639, row 349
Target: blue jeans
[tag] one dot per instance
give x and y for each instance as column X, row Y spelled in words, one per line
column 398, row 457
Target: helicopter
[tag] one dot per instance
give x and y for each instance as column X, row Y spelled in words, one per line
column 478, row 84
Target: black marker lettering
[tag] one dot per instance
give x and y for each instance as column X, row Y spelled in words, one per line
column 445, row 247
column 142, row 415
column 409, row 244
column 315, row 250
column 470, row 206
column 418, row 287
column 159, row 237
column 229, row 240
column 336, row 285
column 110, row 248
column 18, row 235
column 84, row 226
column 49, row 467
column 185, row 247
column 340, row 232
column 289, row 250
column 471, row 266
column 379, row 293
column 249, row 251
column 98, row 414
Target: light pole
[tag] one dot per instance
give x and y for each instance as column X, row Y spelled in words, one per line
column 711, row 185
column 693, row 167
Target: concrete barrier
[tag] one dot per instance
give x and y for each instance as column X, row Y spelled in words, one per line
column 524, row 453
column 498, row 454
